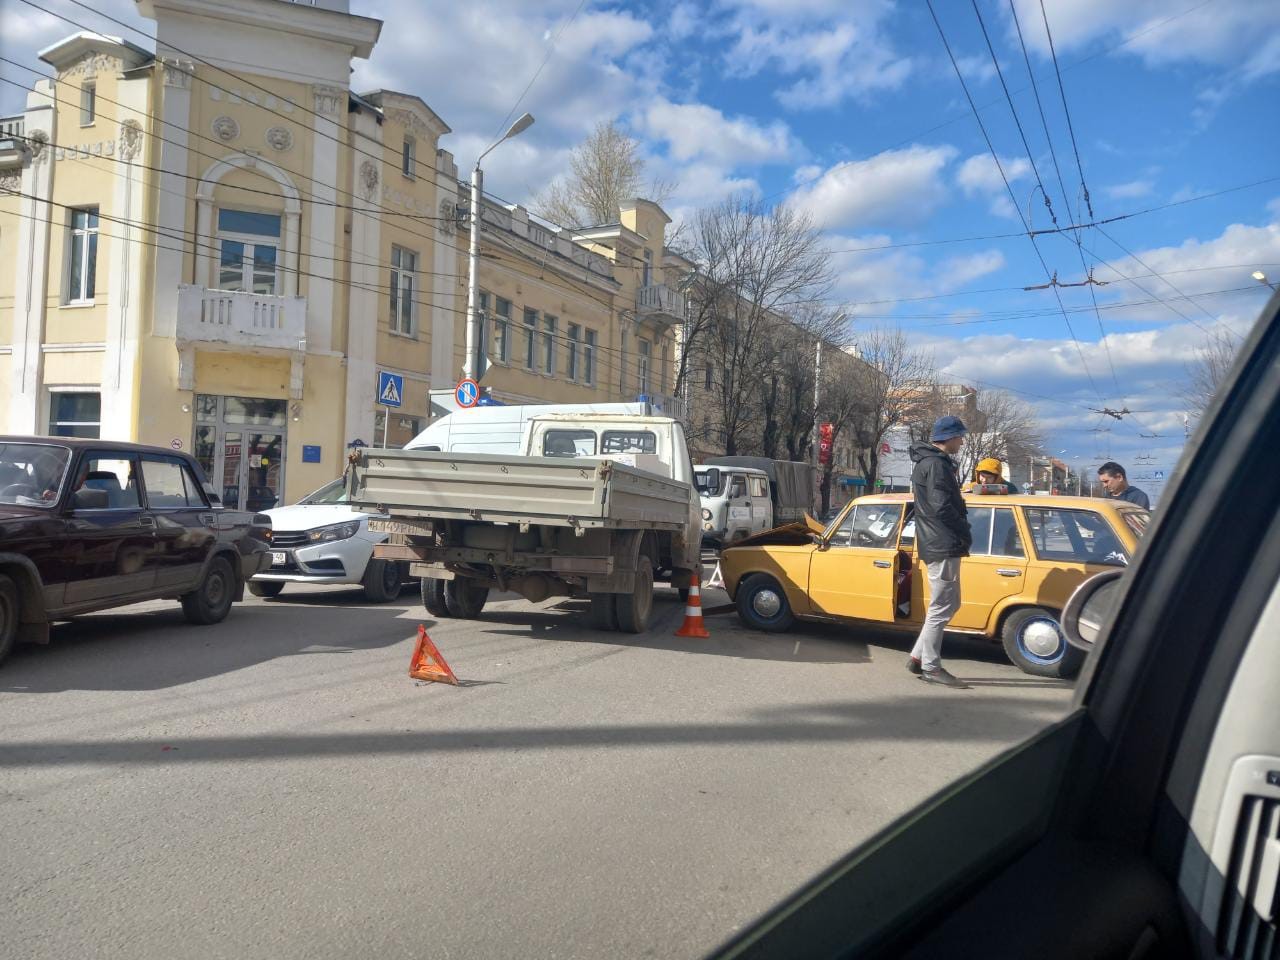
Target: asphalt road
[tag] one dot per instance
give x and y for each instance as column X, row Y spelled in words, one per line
column 276, row 787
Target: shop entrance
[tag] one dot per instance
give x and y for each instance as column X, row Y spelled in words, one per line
column 241, row 445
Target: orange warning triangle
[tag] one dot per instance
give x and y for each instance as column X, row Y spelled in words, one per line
column 427, row 664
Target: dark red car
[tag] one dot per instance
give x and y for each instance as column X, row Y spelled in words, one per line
column 90, row 524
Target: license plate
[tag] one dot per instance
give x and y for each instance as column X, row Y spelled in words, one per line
column 279, row 559
column 411, row 527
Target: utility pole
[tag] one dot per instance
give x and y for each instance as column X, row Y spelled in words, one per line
column 473, row 257
column 816, row 442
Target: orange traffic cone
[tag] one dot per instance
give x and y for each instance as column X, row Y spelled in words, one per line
column 427, row 664
column 693, row 625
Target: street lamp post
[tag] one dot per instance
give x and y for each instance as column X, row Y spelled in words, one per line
column 473, row 259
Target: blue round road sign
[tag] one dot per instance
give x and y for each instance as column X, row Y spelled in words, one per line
column 467, row 393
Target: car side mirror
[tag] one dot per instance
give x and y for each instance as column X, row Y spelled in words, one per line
column 87, row 498
column 1090, row 609
column 713, row 479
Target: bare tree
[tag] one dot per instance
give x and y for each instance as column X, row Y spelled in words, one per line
column 892, row 397
column 604, row 170
column 789, row 364
column 843, row 404
column 1206, row 373
column 1008, row 428
column 756, row 266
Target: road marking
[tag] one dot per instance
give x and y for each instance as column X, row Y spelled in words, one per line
column 797, row 649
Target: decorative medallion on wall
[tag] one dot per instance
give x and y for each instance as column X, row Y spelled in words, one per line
column 226, row 129
column 369, row 179
column 11, row 181
column 448, row 217
column 130, row 139
column 38, row 143
column 280, row 138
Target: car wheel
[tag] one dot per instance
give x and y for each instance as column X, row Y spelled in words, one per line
column 211, row 601
column 9, row 613
column 1034, row 641
column 381, row 581
column 266, row 588
column 604, row 612
column 463, row 599
column 433, row 597
column 763, row 605
column 634, row 607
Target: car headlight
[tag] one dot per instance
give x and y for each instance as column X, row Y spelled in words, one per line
column 335, row 531
column 706, row 514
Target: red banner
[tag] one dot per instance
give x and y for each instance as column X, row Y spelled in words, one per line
column 825, row 433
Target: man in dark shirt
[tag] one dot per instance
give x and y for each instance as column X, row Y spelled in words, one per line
column 1114, row 479
column 942, row 538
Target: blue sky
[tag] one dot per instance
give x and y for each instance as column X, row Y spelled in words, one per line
column 851, row 110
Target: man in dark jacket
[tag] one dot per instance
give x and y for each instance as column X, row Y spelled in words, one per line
column 942, row 538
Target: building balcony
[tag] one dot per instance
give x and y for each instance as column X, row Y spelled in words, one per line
column 247, row 321
column 660, row 303
column 13, row 148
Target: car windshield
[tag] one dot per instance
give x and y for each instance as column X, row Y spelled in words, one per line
column 335, row 491
column 32, row 474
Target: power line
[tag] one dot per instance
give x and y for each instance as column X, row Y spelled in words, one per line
column 1013, row 110
column 1065, row 109
column 537, row 73
column 1000, row 167
column 1142, row 263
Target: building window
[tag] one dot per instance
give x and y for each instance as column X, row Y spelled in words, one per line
column 662, row 373
column 642, row 365
column 83, row 255
column 404, row 264
column 647, row 275
column 502, row 329
column 408, row 157
column 573, row 334
column 531, row 338
column 589, row 358
column 710, row 377
column 248, row 246
column 88, row 104
column 549, row 346
column 75, row 414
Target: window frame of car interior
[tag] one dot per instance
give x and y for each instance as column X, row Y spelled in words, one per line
column 61, row 489
column 1089, row 812
column 183, row 468
column 94, row 455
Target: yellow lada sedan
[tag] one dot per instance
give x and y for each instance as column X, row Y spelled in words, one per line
column 1029, row 553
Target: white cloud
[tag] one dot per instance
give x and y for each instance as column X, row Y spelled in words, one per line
column 835, row 51
column 695, row 130
column 1131, row 190
column 958, row 271
column 979, row 174
column 892, row 188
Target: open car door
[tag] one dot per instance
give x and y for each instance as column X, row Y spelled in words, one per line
column 1146, row 823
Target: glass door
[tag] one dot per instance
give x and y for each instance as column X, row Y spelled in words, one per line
column 262, row 473
column 241, row 443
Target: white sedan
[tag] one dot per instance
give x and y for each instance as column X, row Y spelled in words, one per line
column 322, row 540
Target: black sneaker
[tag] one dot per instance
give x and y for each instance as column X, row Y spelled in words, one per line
column 913, row 666
column 941, row 676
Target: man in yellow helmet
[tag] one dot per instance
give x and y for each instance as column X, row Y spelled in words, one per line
column 987, row 472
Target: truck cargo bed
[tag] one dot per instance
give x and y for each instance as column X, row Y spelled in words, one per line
column 554, row 491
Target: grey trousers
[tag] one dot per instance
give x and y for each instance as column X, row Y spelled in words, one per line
column 944, row 601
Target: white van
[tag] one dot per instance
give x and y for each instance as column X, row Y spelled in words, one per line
column 735, row 503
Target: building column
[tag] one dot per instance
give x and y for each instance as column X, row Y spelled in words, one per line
column 120, row 362
column 366, row 275
column 31, row 272
column 330, row 104
column 444, row 286
column 171, row 198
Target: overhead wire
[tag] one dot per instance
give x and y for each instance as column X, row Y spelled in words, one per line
column 1000, row 167
column 1065, row 109
column 551, row 49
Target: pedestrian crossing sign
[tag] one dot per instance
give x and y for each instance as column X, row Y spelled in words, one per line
column 390, row 389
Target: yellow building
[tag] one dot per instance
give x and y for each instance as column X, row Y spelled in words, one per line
column 223, row 249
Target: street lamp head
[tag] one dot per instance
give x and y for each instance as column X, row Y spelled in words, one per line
column 1259, row 276
column 520, row 126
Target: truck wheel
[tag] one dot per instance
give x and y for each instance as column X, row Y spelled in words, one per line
column 1034, row 641
column 9, row 613
column 634, row 607
column 381, row 581
column 266, row 588
column 464, row 600
column 433, row 597
column 210, row 602
column 763, row 605
column 604, row 612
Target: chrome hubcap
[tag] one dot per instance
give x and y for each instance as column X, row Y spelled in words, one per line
column 766, row 603
column 1041, row 638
